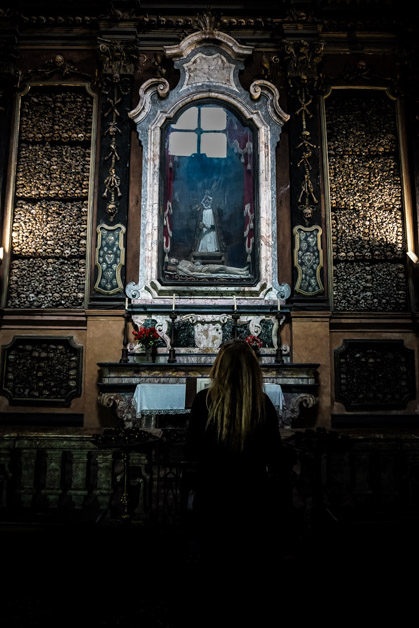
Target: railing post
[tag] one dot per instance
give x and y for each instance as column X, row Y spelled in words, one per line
column 78, row 491
column 140, row 477
column 5, row 475
column 52, row 490
column 103, row 488
column 26, row 486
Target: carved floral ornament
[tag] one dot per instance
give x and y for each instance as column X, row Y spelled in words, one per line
column 207, row 330
column 218, row 141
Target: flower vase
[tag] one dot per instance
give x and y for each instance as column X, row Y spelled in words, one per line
column 150, row 353
column 153, row 353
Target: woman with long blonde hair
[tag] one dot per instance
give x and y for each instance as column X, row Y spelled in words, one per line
column 234, row 438
column 235, row 400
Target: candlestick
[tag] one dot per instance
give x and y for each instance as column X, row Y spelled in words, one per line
column 278, row 355
column 235, row 316
column 124, row 353
column 172, row 352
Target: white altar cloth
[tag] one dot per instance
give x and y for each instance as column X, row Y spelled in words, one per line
column 162, row 398
column 275, row 394
column 159, row 397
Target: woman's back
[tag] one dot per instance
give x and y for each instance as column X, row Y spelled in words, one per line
column 234, row 458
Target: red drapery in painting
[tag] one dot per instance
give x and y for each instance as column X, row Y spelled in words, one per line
column 241, row 139
column 168, row 210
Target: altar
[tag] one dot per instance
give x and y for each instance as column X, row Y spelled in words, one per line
column 151, row 400
column 209, row 268
column 160, row 395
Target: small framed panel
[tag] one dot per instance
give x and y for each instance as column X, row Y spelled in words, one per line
column 374, row 375
column 42, row 371
column 110, row 258
column 308, row 259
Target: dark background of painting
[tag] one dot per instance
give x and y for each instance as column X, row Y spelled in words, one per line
column 223, row 180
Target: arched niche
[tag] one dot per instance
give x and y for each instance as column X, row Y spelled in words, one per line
column 208, row 214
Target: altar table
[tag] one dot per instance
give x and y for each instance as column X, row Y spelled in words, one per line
column 170, row 398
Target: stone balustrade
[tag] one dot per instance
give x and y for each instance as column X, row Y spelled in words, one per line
column 68, row 477
column 46, row 473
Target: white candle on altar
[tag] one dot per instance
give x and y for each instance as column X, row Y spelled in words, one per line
column 235, row 302
column 279, row 305
column 126, row 303
column 173, row 303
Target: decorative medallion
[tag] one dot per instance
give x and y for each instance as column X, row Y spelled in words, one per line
column 308, row 259
column 110, row 258
column 213, row 68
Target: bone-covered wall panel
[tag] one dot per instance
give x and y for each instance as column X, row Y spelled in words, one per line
column 50, row 171
column 59, row 116
column 36, row 225
column 50, row 212
column 367, row 221
column 47, row 282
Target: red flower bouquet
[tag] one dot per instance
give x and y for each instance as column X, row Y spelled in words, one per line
column 254, row 342
column 146, row 336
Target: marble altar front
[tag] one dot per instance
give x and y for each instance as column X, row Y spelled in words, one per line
column 119, row 382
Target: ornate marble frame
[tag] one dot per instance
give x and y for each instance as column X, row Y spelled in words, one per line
column 209, row 63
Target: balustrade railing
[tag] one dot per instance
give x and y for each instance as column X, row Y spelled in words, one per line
column 70, row 477
column 63, row 474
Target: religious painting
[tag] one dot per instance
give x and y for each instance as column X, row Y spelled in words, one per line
column 208, row 194
column 208, row 226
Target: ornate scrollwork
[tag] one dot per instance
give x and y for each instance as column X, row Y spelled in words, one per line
column 206, row 22
column 121, row 405
column 118, row 57
column 294, row 410
column 113, row 88
column 54, row 68
column 266, row 88
column 301, row 59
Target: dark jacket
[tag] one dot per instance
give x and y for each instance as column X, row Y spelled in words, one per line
column 231, row 483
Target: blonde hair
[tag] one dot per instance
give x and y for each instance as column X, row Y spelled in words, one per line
column 235, row 397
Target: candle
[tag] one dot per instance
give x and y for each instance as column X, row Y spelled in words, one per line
column 173, row 303
column 279, row 305
column 126, row 303
column 235, row 303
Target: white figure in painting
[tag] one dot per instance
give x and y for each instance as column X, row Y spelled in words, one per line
column 196, row 269
column 208, row 242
